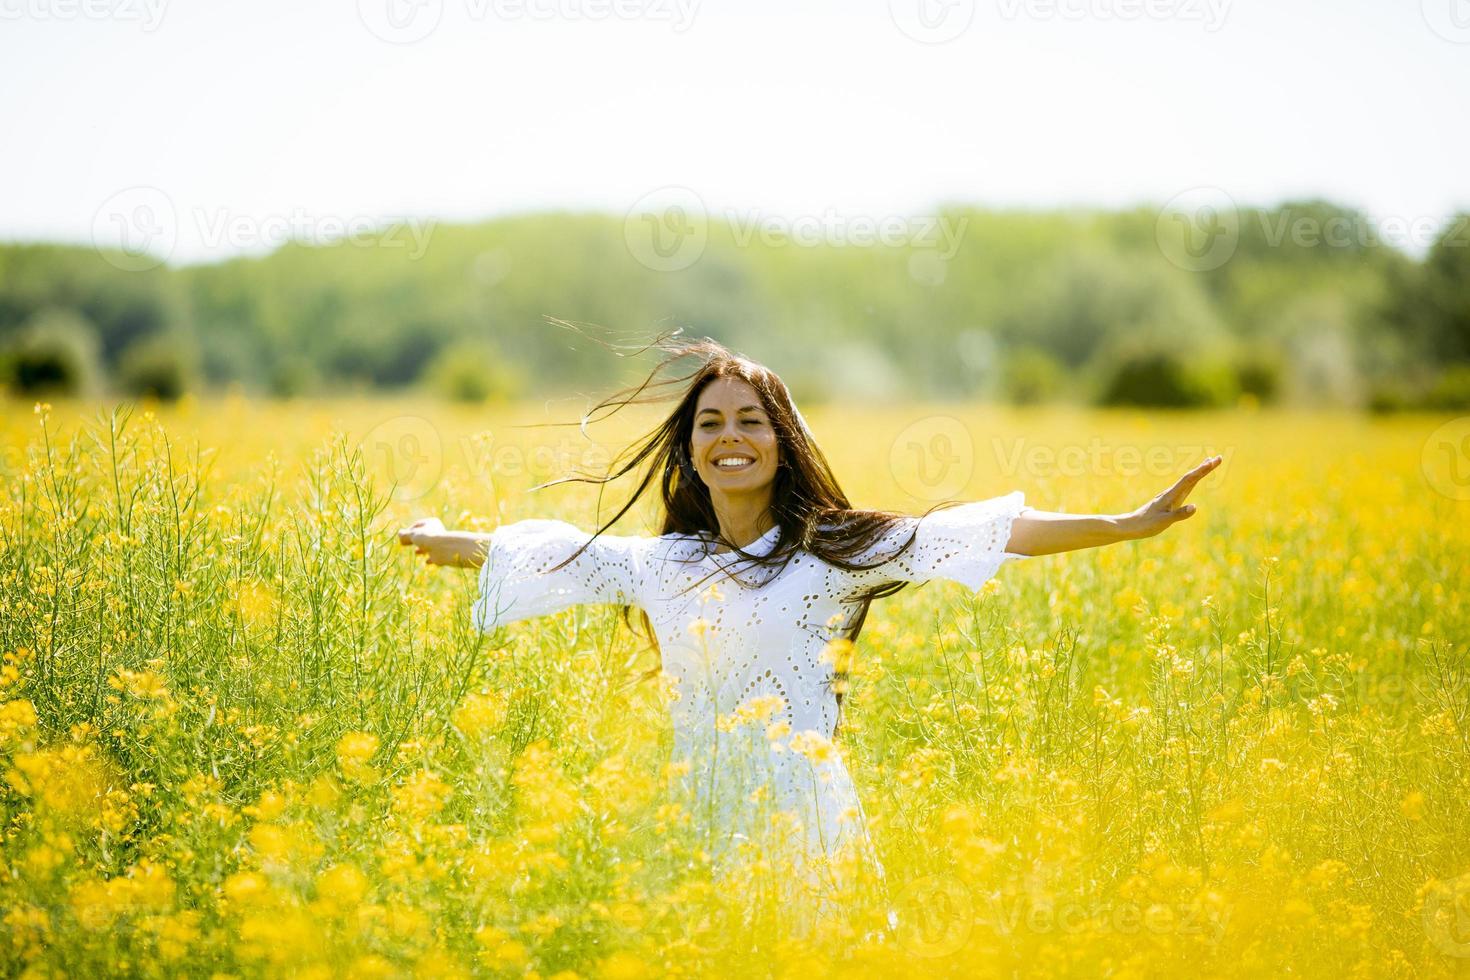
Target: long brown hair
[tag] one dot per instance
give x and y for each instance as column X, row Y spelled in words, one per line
column 810, row 507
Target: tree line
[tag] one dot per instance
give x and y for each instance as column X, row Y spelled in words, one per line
column 1307, row 302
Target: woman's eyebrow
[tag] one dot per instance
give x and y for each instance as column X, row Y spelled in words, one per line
column 737, row 412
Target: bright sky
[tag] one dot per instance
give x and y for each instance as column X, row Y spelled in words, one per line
column 250, row 117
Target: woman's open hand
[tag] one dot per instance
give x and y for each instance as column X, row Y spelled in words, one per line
column 461, row 549
column 1169, row 508
column 427, row 537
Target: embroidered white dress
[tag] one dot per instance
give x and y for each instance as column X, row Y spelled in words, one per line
column 762, row 633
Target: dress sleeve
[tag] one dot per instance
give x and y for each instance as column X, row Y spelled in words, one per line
column 516, row 582
column 965, row 543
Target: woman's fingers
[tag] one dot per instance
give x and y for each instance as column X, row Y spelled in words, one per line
column 407, row 535
column 1175, row 495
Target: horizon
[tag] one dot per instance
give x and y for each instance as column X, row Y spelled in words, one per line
column 1411, row 238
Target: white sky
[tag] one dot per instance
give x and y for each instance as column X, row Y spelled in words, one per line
column 272, row 110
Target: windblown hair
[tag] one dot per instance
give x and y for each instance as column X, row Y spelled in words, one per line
column 807, row 503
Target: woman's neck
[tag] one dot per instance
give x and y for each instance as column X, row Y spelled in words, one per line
column 744, row 522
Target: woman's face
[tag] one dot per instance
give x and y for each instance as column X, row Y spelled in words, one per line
column 730, row 423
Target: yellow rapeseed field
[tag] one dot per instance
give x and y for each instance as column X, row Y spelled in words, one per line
column 243, row 733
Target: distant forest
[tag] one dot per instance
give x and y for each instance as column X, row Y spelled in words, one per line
column 1310, row 307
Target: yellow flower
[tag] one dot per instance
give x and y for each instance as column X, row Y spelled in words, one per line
column 145, row 684
column 355, row 750
column 1327, row 874
column 669, row 815
column 618, row 787
column 252, row 601
column 624, row 966
column 246, row 888
column 760, row 708
column 490, row 936
column 271, row 806
column 1412, row 805
column 69, row 779
column 357, row 746
column 370, row 966
column 96, row 903
column 480, row 715
column 279, row 935
column 546, row 796
column 499, row 948
column 543, row 925
column 270, row 842
column 407, row 922
column 421, row 795
column 323, row 792
column 17, row 719
column 838, row 653
column 628, row 915
column 343, row 885
column 813, row 745
column 438, row 963
column 175, row 933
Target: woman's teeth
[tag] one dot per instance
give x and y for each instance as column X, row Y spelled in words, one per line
column 732, row 463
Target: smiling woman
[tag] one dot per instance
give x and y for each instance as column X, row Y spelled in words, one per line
column 749, row 500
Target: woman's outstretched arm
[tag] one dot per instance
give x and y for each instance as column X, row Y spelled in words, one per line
column 1038, row 532
column 537, row 566
column 460, row 549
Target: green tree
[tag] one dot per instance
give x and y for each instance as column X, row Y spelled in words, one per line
column 55, row 353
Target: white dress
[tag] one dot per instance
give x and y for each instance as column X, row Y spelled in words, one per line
column 740, row 642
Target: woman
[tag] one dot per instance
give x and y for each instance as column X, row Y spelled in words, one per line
column 758, row 582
